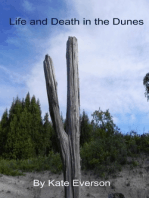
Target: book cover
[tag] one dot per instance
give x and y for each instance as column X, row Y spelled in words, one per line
column 96, row 53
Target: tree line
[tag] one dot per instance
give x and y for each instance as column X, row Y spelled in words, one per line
column 24, row 135
column 23, row 132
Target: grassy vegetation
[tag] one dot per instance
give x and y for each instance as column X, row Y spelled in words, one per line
column 98, row 155
column 17, row 167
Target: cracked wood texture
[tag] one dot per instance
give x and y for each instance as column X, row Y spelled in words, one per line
column 69, row 141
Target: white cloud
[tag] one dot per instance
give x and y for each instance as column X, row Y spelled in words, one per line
column 112, row 59
column 14, row 76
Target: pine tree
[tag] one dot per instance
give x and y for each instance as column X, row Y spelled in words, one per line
column 3, row 131
column 11, row 110
column 19, row 143
column 46, row 135
column 27, row 101
column 27, row 147
column 36, row 124
column 85, row 128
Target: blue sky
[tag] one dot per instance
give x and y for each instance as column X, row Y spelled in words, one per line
column 113, row 59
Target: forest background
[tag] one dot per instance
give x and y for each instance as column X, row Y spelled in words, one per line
column 28, row 142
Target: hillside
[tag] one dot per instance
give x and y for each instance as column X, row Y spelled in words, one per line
column 131, row 182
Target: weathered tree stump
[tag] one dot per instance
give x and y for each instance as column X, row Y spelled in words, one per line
column 69, row 141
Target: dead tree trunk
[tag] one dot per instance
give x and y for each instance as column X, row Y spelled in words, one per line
column 69, row 142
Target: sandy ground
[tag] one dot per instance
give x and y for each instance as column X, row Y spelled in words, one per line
column 132, row 183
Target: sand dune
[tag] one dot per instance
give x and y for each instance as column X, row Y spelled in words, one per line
column 132, row 183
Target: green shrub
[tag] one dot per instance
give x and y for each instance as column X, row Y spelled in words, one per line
column 15, row 167
column 9, row 168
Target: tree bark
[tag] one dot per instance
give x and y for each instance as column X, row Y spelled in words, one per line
column 69, row 141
